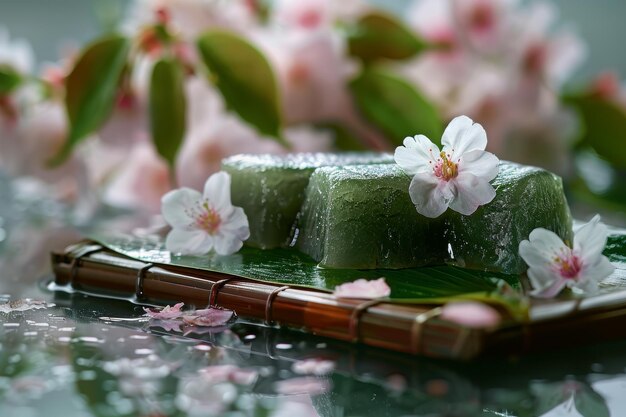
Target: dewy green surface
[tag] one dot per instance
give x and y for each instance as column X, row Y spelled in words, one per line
column 526, row 198
column 362, row 217
column 270, row 188
column 291, row 267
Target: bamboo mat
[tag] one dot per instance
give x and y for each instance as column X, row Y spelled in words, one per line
column 414, row 329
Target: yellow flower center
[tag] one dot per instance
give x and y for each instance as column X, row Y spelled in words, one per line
column 208, row 220
column 449, row 169
column 569, row 266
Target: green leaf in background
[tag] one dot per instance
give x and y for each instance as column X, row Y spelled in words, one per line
column 345, row 140
column 91, row 89
column 245, row 78
column 395, row 106
column 9, row 80
column 604, row 126
column 381, row 36
column 167, row 108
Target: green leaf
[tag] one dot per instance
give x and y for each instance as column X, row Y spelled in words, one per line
column 9, row 80
column 395, row 106
column 604, row 126
column 245, row 78
column 91, row 89
column 591, row 404
column 167, row 108
column 381, row 36
column 345, row 140
column 291, row 267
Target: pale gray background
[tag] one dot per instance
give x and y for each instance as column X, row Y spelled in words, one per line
column 50, row 23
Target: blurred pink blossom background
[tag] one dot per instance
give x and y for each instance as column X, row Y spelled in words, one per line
column 503, row 63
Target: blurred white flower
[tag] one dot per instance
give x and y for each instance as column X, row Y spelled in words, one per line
column 553, row 265
column 128, row 122
column 501, row 63
column 305, row 138
column 16, row 54
column 207, row 143
column 313, row 70
column 204, row 222
column 140, row 181
column 315, row 14
column 538, row 51
column 213, row 134
column 190, row 18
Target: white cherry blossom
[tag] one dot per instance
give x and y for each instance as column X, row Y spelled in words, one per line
column 553, row 265
column 457, row 176
column 204, row 222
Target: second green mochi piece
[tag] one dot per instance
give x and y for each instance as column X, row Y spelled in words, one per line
column 362, row 217
column 270, row 189
column 526, row 198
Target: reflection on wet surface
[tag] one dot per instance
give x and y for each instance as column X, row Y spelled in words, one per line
column 68, row 354
column 72, row 360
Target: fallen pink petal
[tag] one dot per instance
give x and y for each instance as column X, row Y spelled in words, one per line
column 471, row 314
column 166, row 313
column 364, row 289
column 229, row 373
column 313, row 366
column 302, row 385
column 167, row 325
column 209, row 317
column 23, row 305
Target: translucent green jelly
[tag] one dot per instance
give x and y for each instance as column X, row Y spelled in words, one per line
column 270, row 188
column 526, row 198
column 362, row 217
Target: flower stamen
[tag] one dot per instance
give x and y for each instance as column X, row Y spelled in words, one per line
column 569, row 266
column 445, row 168
column 208, row 219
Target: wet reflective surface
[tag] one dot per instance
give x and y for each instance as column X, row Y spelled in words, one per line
column 74, row 355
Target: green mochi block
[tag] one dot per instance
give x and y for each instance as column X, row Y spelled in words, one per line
column 526, row 198
column 362, row 217
column 270, row 189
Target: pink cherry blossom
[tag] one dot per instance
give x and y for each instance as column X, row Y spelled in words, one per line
column 165, row 313
column 209, row 142
column 190, row 18
column 457, row 177
column 552, row 265
column 210, row 317
column 141, row 180
column 16, row 53
column 128, row 122
column 471, row 314
column 539, row 51
column 313, row 70
column 362, row 288
column 204, row 222
column 315, row 14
